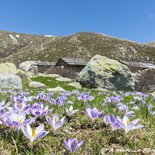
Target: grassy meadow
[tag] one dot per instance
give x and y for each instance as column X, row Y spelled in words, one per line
column 99, row 136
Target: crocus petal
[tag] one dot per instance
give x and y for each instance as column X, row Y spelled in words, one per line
column 73, row 145
column 49, row 120
column 55, row 118
column 115, row 126
column 106, row 119
column 79, row 145
column 94, row 114
column 57, row 125
column 135, row 121
column 63, row 120
column 70, row 141
column 29, row 129
column 26, row 134
column 41, row 134
column 88, row 111
column 39, row 129
column 138, row 126
column 112, row 118
column 67, row 145
column 125, row 120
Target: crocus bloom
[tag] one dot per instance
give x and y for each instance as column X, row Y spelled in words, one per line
column 71, row 111
column 116, row 99
column 38, row 109
column 21, row 105
column 60, row 101
column 34, row 133
column 127, row 125
column 93, row 113
column 17, row 119
column 55, row 122
column 125, row 109
column 85, row 97
column 72, row 145
column 110, row 119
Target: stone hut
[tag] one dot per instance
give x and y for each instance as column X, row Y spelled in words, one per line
column 43, row 66
column 73, row 64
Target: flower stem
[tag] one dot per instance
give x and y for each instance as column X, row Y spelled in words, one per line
column 32, row 147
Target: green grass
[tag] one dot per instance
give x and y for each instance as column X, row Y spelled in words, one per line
column 51, row 82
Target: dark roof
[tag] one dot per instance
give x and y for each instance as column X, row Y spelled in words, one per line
column 40, row 63
column 139, row 64
column 74, row 61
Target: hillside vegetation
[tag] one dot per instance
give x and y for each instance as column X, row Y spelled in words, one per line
column 17, row 47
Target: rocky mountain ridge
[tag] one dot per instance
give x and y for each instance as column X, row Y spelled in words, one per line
column 18, row 47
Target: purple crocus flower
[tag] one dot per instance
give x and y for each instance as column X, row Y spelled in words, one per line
column 17, row 119
column 21, row 105
column 125, row 109
column 93, row 113
column 34, row 133
column 125, row 124
column 111, row 120
column 55, row 122
column 85, row 97
column 72, row 145
column 60, row 101
column 116, row 99
column 71, row 111
column 38, row 109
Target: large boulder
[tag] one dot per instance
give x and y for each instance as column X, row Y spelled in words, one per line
column 106, row 73
column 10, row 81
column 29, row 67
column 8, row 68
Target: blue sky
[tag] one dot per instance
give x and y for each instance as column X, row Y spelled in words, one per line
column 129, row 19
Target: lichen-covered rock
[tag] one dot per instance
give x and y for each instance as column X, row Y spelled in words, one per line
column 106, row 73
column 8, row 68
column 10, row 81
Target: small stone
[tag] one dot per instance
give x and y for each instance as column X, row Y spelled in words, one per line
column 62, row 79
column 75, row 85
column 56, row 89
column 35, row 84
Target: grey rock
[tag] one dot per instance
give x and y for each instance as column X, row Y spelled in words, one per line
column 35, row 84
column 63, row 79
column 75, row 85
column 26, row 65
column 102, row 72
column 10, row 81
column 29, row 67
column 56, row 89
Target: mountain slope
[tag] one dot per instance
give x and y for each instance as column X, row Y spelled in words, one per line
column 83, row 44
